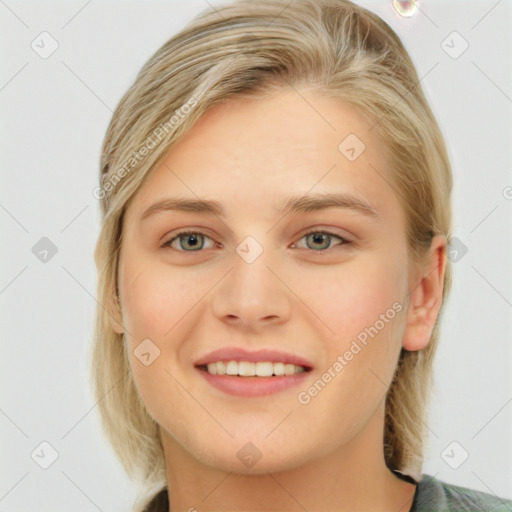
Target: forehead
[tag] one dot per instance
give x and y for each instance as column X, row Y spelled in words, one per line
column 255, row 151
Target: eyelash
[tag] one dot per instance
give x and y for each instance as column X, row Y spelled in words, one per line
column 344, row 241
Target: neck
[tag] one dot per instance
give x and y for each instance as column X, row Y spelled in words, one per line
column 352, row 478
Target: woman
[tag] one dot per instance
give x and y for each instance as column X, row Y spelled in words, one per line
column 272, row 266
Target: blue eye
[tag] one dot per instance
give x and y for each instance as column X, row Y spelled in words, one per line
column 194, row 241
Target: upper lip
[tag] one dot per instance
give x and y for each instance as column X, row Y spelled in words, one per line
column 263, row 355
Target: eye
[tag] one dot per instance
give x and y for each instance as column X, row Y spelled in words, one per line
column 188, row 240
column 194, row 241
column 321, row 240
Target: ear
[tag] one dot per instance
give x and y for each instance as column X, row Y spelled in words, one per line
column 115, row 315
column 426, row 295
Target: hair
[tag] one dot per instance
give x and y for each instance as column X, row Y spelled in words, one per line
column 333, row 47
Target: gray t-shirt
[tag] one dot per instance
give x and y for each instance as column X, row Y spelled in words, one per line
column 434, row 495
column 431, row 495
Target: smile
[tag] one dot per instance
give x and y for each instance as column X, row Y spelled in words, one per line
column 240, row 372
column 251, row 369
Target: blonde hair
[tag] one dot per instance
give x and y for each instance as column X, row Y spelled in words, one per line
column 332, row 46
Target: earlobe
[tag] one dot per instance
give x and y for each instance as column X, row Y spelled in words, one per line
column 425, row 297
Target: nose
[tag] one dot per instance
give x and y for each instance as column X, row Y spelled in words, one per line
column 253, row 293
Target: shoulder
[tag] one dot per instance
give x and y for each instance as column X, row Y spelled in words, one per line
column 437, row 496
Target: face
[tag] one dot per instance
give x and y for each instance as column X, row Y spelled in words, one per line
column 318, row 290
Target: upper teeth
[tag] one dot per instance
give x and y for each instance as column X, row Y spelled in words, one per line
column 248, row 369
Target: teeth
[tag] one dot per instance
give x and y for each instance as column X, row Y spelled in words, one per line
column 231, row 368
column 248, row 369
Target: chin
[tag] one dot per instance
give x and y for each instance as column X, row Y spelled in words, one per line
column 245, row 457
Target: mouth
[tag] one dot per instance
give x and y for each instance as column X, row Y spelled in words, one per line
column 251, row 369
column 251, row 374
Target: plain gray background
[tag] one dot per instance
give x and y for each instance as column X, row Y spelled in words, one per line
column 55, row 111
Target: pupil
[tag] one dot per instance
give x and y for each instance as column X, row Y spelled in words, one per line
column 319, row 238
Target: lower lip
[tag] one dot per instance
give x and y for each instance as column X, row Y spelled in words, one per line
column 253, row 386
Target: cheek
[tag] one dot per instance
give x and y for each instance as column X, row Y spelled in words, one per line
column 362, row 304
column 158, row 298
column 353, row 297
column 155, row 304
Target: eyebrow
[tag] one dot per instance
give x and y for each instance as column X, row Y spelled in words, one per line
column 294, row 204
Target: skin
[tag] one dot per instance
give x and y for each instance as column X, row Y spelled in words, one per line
column 249, row 154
